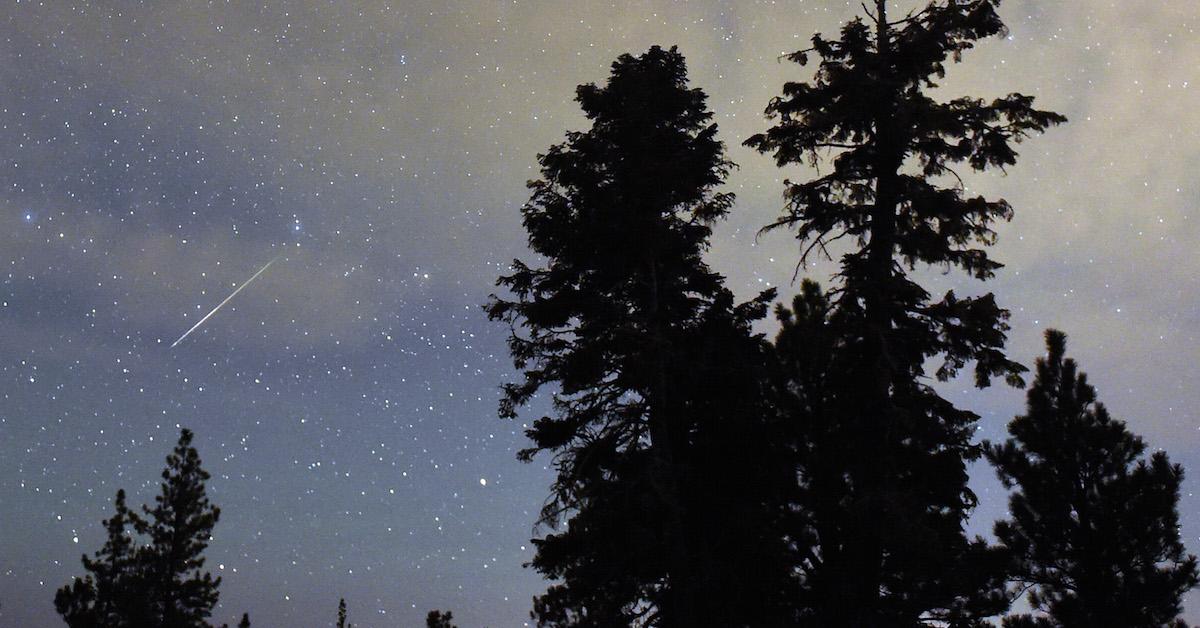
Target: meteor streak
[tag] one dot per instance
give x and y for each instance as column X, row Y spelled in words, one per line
column 222, row 303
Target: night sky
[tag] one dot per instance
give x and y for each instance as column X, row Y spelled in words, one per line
column 154, row 155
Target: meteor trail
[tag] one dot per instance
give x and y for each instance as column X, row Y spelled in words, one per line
column 222, row 303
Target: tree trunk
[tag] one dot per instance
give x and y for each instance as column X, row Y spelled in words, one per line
column 876, row 412
column 682, row 575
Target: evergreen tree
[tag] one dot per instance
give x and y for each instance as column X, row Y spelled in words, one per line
column 111, row 594
column 341, row 617
column 155, row 584
column 76, row 603
column 811, row 387
column 805, row 351
column 438, row 619
column 244, row 623
column 179, row 527
column 888, row 507
column 653, row 367
column 1094, row 528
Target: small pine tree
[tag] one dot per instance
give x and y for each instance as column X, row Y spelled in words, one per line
column 244, row 623
column 341, row 616
column 1094, row 529
column 438, row 619
column 156, row 585
column 110, row 594
column 180, row 527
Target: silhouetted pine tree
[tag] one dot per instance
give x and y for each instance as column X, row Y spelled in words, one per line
column 806, row 348
column 179, row 528
column 341, row 617
column 112, row 593
column 244, row 623
column 656, row 429
column 76, row 602
column 158, row 584
column 1094, row 528
column 438, row 619
column 889, row 547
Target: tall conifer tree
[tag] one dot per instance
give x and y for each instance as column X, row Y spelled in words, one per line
column 1094, row 528
column 652, row 367
column 180, row 527
column 889, row 549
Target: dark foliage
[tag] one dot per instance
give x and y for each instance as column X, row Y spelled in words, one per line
column 886, row 480
column 244, row 623
column 438, row 619
column 111, row 594
column 828, row 505
column 654, row 372
column 341, row 614
column 159, row 583
column 179, row 527
column 1094, row 530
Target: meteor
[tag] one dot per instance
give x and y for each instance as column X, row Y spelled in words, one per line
column 222, row 303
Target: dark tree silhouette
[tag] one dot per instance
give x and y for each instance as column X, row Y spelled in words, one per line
column 812, row 387
column 157, row 584
column 112, row 594
column 804, row 352
column 1094, row 528
column 244, row 623
column 438, row 619
column 653, row 367
column 889, row 548
column 179, row 527
column 341, row 617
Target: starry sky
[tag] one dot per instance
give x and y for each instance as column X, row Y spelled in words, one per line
column 154, row 155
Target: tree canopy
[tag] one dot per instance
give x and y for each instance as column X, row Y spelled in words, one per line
column 888, row 508
column 155, row 579
column 1094, row 529
column 646, row 352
